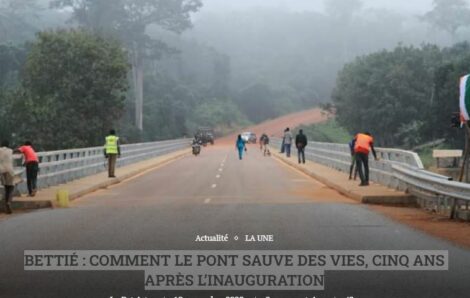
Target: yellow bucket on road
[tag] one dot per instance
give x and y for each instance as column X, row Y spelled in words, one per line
column 62, row 197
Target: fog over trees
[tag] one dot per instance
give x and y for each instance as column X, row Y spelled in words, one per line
column 225, row 64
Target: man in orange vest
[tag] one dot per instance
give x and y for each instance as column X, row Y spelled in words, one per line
column 363, row 144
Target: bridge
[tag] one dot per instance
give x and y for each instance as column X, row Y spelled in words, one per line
column 164, row 197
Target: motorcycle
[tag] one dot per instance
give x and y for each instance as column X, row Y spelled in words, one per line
column 196, row 147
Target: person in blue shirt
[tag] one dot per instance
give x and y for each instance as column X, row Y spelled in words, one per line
column 240, row 146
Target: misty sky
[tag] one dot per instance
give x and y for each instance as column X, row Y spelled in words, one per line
column 414, row 6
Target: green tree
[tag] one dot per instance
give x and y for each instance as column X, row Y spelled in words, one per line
column 12, row 59
column 73, row 91
column 167, row 106
column 129, row 20
column 221, row 76
column 259, row 102
column 406, row 97
column 388, row 93
column 5, row 130
column 446, row 95
column 219, row 113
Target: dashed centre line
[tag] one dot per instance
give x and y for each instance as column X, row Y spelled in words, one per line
column 219, row 175
column 207, row 201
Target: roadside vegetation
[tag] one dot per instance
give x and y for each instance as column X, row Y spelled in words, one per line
column 328, row 132
column 406, row 96
column 185, row 68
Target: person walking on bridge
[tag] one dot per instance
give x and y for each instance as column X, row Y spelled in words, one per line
column 31, row 163
column 112, row 151
column 7, row 174
column 363, row 144
column 264, row 141
column 241, row 146
column 301, row 143
column 288, row 141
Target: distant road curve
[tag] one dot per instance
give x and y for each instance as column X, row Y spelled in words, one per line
column 275, row 127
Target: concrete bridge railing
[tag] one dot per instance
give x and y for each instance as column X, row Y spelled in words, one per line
column 59, row 167
column 398, row 169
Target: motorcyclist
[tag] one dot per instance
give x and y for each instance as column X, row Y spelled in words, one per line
column 196, row 146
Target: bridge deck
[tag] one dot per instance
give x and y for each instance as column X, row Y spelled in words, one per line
column 216, row 193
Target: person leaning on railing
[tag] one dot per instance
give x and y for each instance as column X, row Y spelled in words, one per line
column 31, row 163
column 7, row 174
column 363, row 144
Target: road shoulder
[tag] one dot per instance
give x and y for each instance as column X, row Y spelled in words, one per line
column 374, row 194
column 387, row 202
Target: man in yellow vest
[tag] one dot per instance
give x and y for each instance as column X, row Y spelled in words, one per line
column 112, row 151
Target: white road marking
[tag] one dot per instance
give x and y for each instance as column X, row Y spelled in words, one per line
column 218, row 176
column 214, row 185
column 220, row 170
column 207, row 201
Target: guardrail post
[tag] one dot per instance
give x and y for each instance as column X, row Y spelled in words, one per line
column 454, row 209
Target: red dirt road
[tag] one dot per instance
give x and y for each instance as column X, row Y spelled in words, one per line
column 276, row 126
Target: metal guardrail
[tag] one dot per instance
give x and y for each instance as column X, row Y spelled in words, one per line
column 398, row 169
column 59, row 167
column 432, row 184
column 338, row 156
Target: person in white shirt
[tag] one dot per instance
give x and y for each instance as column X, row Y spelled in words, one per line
column 7, row 174
column 288, row 141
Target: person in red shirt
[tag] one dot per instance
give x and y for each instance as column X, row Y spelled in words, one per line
column 363, row 143
column 31, row 162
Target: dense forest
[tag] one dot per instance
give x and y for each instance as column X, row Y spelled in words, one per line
column 155, row 69
column 405, row 96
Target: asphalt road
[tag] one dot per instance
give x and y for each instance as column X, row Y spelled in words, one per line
column 215, row 193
